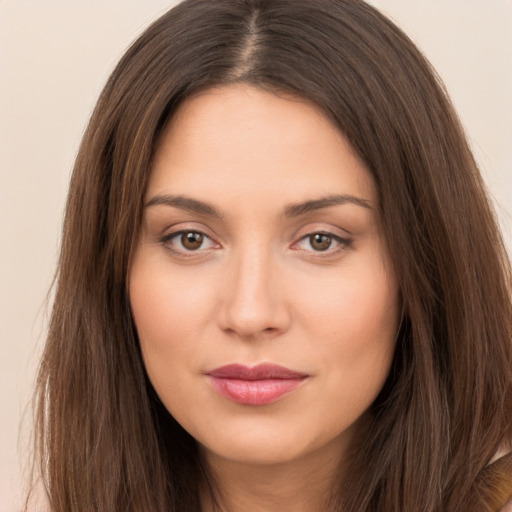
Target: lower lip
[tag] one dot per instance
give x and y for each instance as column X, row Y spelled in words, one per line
column 254, row 392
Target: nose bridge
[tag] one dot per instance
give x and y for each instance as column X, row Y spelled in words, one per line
column 253, row 303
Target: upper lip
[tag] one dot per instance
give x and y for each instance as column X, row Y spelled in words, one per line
column 259, row 372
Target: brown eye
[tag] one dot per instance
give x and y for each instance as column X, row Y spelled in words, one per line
column 192, row 240
column 323, row 242
column 185, row 242
column 320, row 242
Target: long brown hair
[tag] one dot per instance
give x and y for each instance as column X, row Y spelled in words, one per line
column 106, row 443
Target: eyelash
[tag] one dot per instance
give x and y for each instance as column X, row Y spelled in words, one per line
column 184, row 252
column 344, row 243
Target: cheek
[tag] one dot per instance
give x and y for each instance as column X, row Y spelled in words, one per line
column 343, row 330
column 169, row 308
column 361, row 302
column 353, row 322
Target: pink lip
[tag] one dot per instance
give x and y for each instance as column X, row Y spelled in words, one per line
column 259, row 385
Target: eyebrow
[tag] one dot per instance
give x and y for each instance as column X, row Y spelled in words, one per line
column 185, row 203
column 295, row 210
column 290, row 211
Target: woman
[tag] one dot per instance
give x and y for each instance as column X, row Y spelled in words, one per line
column 281, row 284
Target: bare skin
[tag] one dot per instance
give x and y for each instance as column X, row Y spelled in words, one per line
column 260, row 245
column 301, row 485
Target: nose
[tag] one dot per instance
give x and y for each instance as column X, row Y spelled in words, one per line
column 253, row 301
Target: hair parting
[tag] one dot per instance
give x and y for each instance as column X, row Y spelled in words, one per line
column 105, row 441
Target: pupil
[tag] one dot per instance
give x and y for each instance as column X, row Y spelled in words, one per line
column 192, row 240
column 320, row 242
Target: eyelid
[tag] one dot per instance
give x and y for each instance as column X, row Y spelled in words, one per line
column 342, row 242
column 169, row 236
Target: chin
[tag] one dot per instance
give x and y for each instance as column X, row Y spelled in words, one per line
column 269, row 445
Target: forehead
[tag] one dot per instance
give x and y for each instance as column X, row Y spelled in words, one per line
column 245, row 140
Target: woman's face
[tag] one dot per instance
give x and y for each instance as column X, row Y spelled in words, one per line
column 261, row 290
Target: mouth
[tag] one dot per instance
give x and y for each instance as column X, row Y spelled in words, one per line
column 260, row 385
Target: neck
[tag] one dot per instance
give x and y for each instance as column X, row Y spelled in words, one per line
column 303, row 485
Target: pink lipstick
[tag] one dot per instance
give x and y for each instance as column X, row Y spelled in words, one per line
column 259, row 385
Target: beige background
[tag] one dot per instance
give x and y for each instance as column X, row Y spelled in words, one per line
column 55, row 57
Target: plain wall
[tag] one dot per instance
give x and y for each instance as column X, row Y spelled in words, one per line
column 54, row 58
